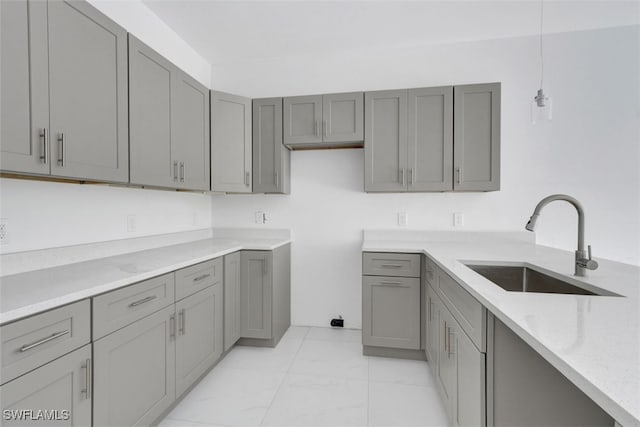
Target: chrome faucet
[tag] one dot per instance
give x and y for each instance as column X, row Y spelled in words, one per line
column 583, row 258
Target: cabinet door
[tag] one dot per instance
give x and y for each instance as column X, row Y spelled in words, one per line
column 232, row 308
column 62, row 388
column 430, row 136
column 199, row 339
column 432, row 329
column 385, row 140
column 150, row 96
column 190, row 128
column 343, row 117
column 271, row 166
column 391, row 312
column 256, row 294
column 88, row 93
column 446, row 370
column 230, row 143
column 302, row 120
column 24, row 109
column 469, row 406
column 134, row 372
column 477, row 137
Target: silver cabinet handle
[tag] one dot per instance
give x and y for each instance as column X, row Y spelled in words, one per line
column 402, row 176
column 181, row 322
column 51, row 337
column 449, row 334
column 181, row 171
column 204, row 276
column 175, row 171
column 391, row 266
column 446, row 340
column 44, row 155
column 87, row 379
column 391, row 283
column 172, row 326
column 324, row 128
column 411, row 176
column 61, row 153
column 247, row 177
column 143, row 301
column 459, row 174
column 430, row 311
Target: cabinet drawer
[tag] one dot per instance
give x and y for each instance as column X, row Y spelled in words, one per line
column 197, row 277
column 469, row 313
column 36, row 340
column 385, row 264
column 119, row 308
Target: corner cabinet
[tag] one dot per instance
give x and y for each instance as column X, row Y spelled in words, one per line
column 230, row 143
column 265, row 295
column 322, row 121
column 412, row 145
column 64, row 99
column 271, row 159
column 169, row 123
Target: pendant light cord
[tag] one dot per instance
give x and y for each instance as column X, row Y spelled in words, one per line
column 541, row 56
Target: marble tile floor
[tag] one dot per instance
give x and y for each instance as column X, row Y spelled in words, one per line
column 314, row 377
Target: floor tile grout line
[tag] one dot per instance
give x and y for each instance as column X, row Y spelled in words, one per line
column 286, row 373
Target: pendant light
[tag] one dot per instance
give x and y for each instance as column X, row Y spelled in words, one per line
column 541, row 104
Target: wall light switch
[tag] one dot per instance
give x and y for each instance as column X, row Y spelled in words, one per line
column 4, row 231
column 131, row 223
column 458, row 219
column 403, row 219
column 259, row 217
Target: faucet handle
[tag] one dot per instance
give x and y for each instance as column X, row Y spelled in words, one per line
column 589, row 250
column 588, row 263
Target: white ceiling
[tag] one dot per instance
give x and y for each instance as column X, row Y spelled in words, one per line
column 237, row 31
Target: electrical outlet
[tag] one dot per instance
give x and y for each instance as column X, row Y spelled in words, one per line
column 458, row 219
column 259, row 217
column 4, row 231
column 131, row 223
column 403, row 219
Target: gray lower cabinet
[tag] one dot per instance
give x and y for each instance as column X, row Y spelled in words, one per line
column 330, row 120
column 231, row 168
column 199, row 340
column 232, row 298
column 65, row 110
column 391, row 312
column 58, row 393
column 271, row 159
column 431, row 329
column 265, row 295
column 412, row 144
column 134, row 371
column 477, row 137
column 169, row 123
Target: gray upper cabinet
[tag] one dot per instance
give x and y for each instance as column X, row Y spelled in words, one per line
column 169, row 123
column 24, row 127
column 385, row 141
column 271, row 159
column 477, row 137
column 199, row 335
column 134, row 372
column 230, row 143
column 62, row 385
column 150, row 116
column 430, row 139
column 77, row 93
column 302, row 120
column 232, row 308
column 318, row 121
column 190, row 139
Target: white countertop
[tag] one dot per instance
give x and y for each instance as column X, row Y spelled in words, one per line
column 593, row 340
column 28, row 293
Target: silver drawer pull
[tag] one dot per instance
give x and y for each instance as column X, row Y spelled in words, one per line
column 52, row 337
column 204, row 276
column 391, row 266
column 142, row 301
column 391, row 283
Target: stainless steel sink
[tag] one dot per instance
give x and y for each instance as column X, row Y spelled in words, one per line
column 525, row 279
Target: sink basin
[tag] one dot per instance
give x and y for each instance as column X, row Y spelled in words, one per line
column 525, row 279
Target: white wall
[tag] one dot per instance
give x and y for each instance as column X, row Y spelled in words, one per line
column 591, row 150
column 45, row 214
